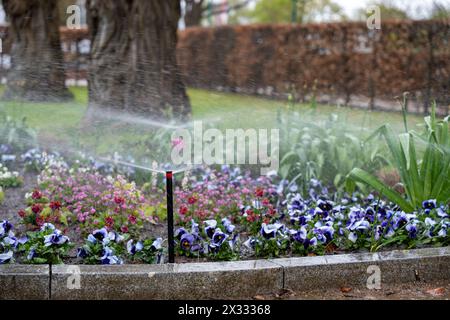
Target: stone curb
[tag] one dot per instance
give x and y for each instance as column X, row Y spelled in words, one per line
column 24, row 282
column 221, row 280
column 352, row 270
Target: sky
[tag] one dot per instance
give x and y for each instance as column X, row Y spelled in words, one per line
column 415, row 8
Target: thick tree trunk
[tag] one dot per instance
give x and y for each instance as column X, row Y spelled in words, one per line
column 37, row 69
column 133, row 65
column 194, row 13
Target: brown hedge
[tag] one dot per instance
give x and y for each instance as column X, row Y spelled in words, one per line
column 334, row 59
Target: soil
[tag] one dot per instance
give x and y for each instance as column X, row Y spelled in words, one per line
column 15, row 200
column 437, row 290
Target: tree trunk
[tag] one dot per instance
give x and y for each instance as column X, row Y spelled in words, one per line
column 37, row 67
column 133, row 65
column 194, row 13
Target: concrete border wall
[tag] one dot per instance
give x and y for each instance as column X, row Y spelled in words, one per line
column 220, row 280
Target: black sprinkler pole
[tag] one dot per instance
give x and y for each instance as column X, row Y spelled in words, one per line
column 169, row 190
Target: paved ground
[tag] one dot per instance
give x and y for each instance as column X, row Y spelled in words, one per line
column 415, row 291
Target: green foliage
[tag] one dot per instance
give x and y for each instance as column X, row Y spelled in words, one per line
column 271, row 248
column 150, row 253
column 326, row 151
column 423, row 162
column 440, row 11
column 16, row 133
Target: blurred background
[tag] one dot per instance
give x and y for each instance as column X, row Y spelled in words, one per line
column 319, row 49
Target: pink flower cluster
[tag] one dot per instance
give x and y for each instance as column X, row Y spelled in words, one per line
column 226, row 193
column 97, row 201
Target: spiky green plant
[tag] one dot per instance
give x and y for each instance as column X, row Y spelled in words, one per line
column 422, row 160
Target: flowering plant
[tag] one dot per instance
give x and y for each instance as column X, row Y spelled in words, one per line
column 9, row 179
column 41, row 210
column 272, row 240
column 318, row 225
column 148, row 251
column 97, row 201
column 215, row 241
column 8, row 242
column 48, row 245
column 213, row 194
column 37, row 161
column 102, row 247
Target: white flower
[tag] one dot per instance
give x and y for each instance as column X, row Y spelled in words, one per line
column 352, row 237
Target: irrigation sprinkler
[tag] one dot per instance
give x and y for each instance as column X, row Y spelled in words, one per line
column 169, row 191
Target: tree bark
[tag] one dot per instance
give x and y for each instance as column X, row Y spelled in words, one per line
column 133, row 65
column 194, row 13
column 37, row 67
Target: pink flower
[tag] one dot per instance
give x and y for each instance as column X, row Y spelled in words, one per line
column 178, row 142
column 132, row 219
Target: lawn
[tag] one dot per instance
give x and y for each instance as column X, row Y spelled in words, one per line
column 225, row 109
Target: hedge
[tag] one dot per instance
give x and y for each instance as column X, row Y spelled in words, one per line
column 334, row 59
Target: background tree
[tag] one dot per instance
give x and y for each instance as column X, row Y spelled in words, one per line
column 281, row 11
column 37, row 68
column 133, row 65
column 194, row 12
column 388, row 11
column 440, row 10
column 197, row 10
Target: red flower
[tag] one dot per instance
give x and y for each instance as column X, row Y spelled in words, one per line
column 251, row 217
column 265, row 202
column 132, row 219
column 119, row 200
column 259, row 192
column 39, row 221
column 36, row 208
column 109, row 221
column 22, row 213
column 192, row 200
column 183, row 210
column 124, row 229
column 36, row 195
column 55, row 205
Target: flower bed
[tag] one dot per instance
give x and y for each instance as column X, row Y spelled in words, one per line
column 221, row 215
column 80, row 210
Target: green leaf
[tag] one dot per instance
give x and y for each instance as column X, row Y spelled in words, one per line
column 365, row 177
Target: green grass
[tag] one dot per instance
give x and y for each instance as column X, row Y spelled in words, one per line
column 241, row 111
column 224, row 109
